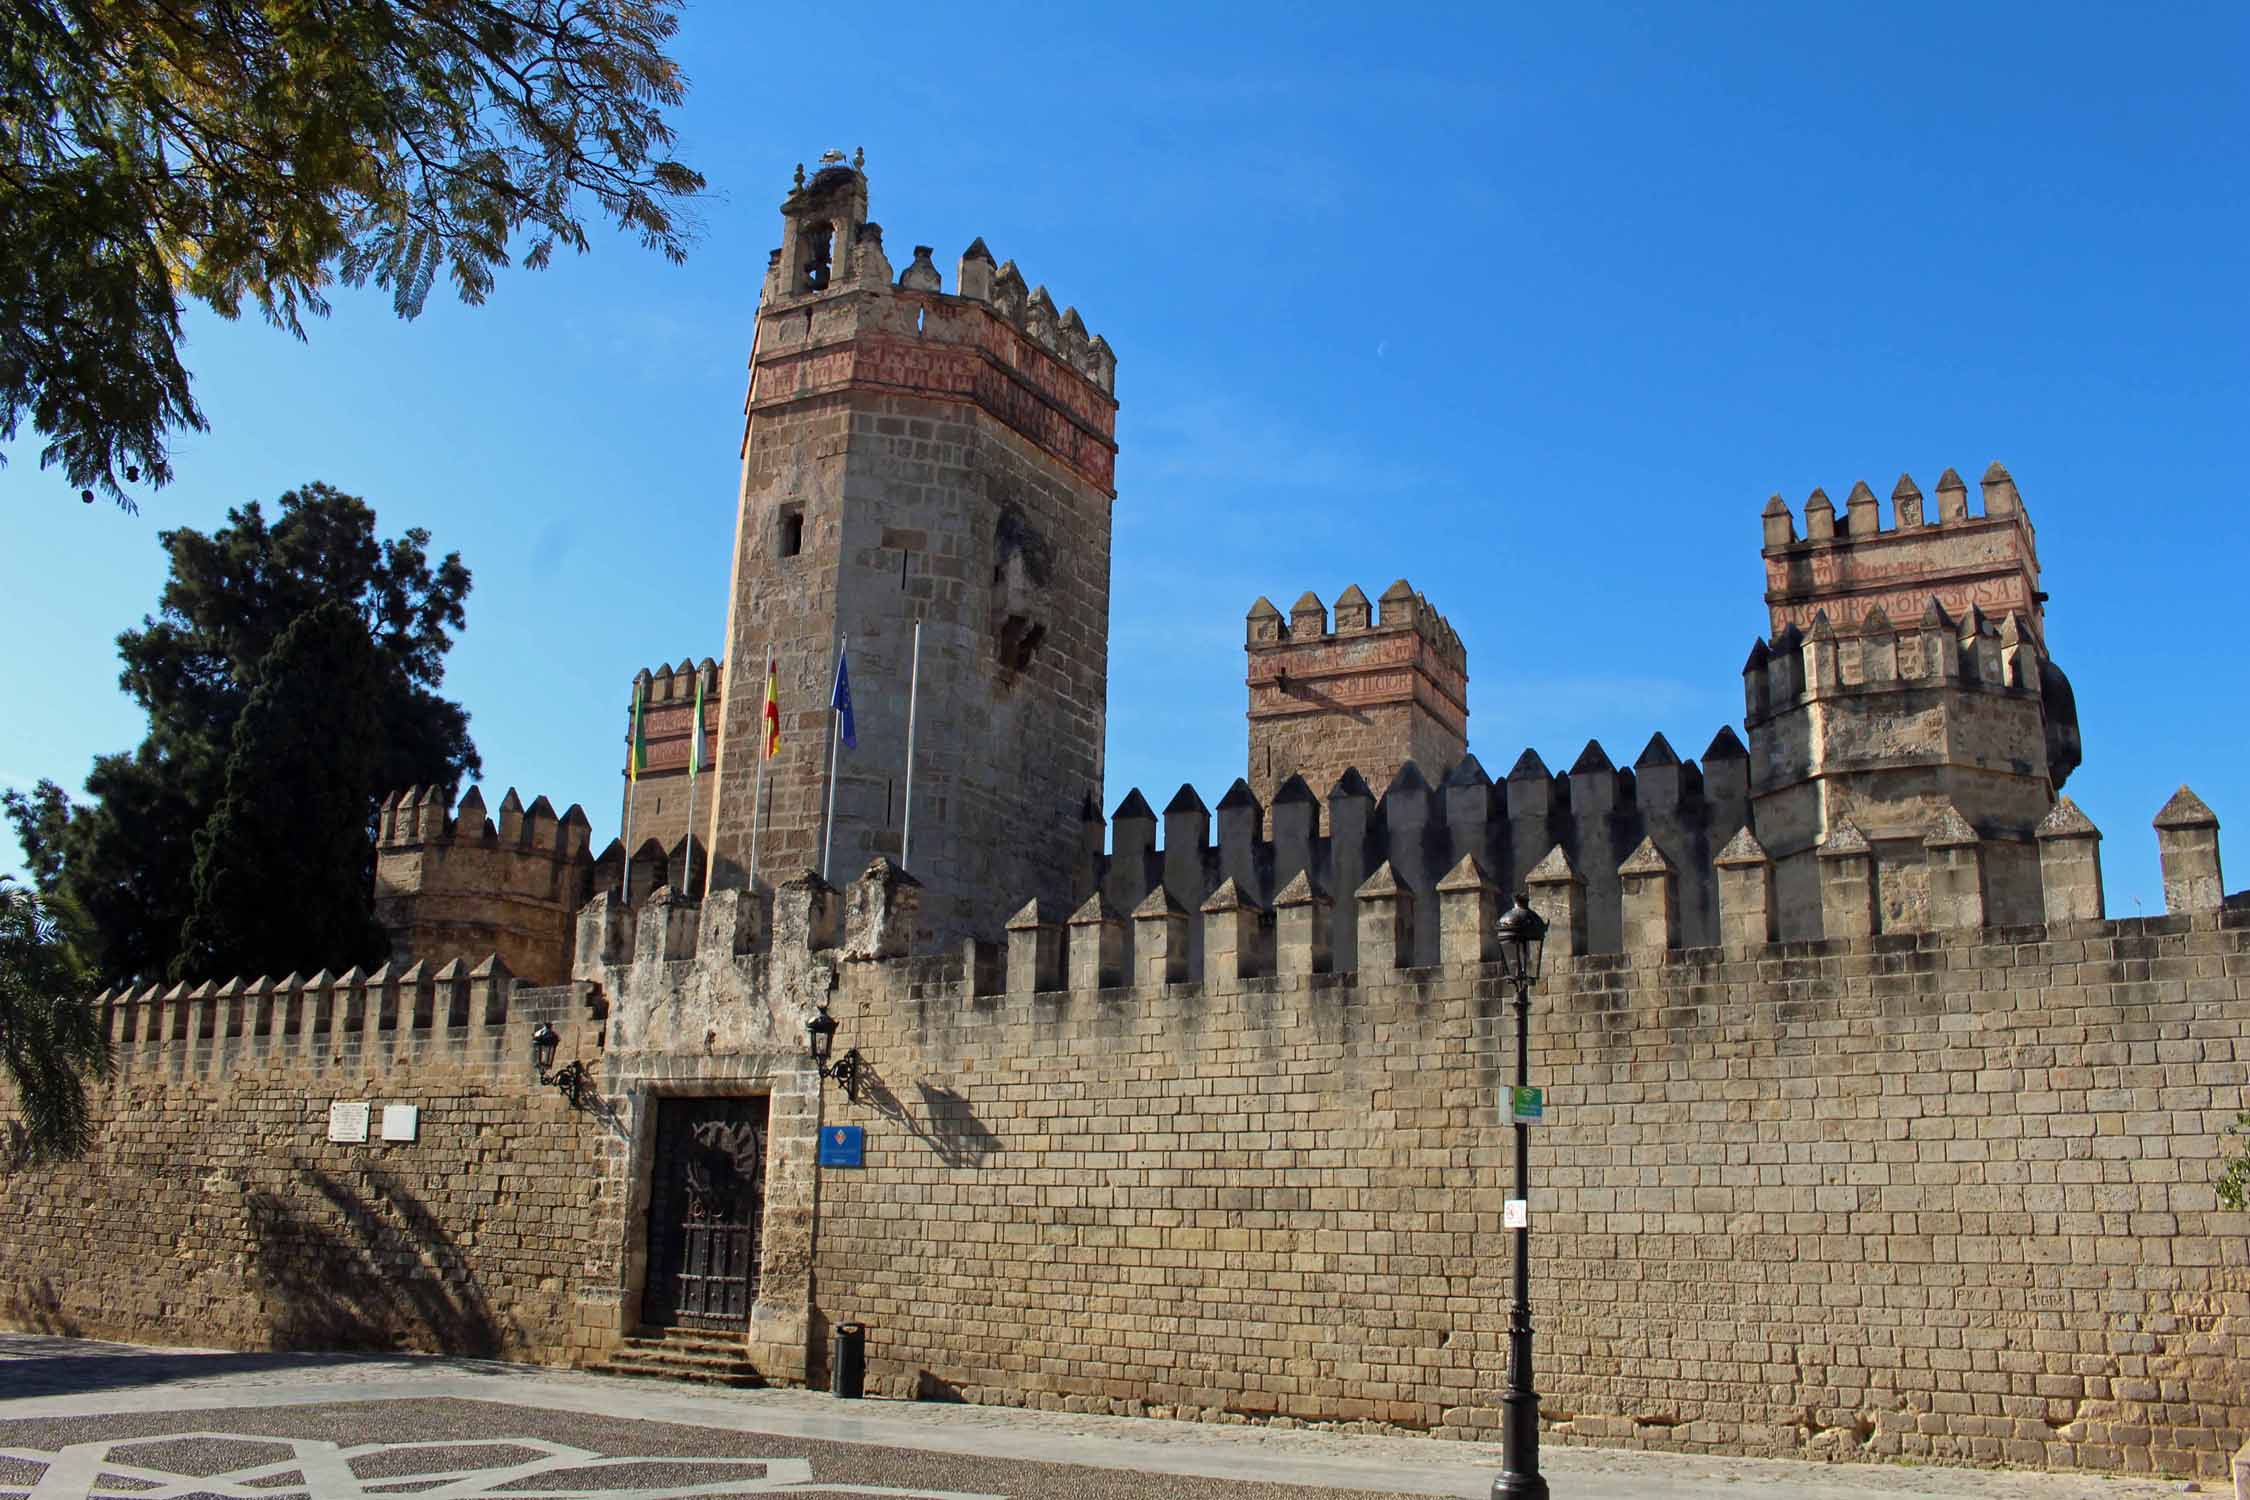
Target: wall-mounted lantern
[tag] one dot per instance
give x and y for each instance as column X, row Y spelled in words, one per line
column 820, row 1042
column 544, row 1041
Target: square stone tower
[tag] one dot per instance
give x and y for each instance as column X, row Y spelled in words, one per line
column 913, row 456
column 1379, row 690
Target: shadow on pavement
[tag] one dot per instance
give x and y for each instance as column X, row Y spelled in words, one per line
column 44, row 1365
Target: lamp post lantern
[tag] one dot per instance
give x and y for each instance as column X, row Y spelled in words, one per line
column 820, row 1045
column 545, row 1041
column 1523, row 938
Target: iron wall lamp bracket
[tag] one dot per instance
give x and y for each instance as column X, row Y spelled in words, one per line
column 820, row 1043
column 572, row 1079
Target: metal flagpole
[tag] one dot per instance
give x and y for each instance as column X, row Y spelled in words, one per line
column 758, row 789
column 835, row 745
column 632, row 790
column 632, row 794
column 689, row 856
column 913, row 692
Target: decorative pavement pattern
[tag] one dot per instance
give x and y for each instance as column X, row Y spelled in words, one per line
column 244, row 1466
column 81, row 1419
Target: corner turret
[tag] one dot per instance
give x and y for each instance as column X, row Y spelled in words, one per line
column 459, row 887
column 1907, row 689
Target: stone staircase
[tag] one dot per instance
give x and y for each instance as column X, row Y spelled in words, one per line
column 682, row 1354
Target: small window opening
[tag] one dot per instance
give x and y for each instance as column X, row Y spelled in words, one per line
column 790, row 538
column 919, row 315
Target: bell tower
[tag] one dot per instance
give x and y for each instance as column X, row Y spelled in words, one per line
column 914, row 456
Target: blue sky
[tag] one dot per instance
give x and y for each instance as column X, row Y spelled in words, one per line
column 1533, row 307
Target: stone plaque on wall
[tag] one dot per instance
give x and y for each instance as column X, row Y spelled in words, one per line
column 402, row 1122
column 347, row 1122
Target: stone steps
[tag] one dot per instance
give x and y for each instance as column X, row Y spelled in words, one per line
column 682, row 1354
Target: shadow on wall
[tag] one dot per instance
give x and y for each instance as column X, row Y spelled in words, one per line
column 36, row 1307
column 946, row 1124
column 377, row 1272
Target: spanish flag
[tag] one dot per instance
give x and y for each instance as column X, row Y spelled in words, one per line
column 773, row 708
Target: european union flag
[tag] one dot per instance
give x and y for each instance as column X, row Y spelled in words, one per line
column 841, row 700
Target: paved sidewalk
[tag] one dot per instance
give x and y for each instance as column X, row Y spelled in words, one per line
column 118, row 1409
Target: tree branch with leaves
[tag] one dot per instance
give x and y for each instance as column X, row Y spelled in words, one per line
column 51, row 1036
column 153, row 151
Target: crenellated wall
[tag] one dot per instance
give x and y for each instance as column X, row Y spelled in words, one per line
column 214, row 1208
column 1596, row 813
column 1943, row 1194
column 458, row 885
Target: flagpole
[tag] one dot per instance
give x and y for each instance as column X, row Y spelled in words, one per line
column 695, row 765
column 835, row 744
column 632, row 794
column 757, row 802
column 913, row 693
column 689, row 856
column 636, row 755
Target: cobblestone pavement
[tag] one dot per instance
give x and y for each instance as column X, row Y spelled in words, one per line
column 79, row 1418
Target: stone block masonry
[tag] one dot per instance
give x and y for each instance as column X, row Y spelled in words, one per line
column 1388, row 685
column 1942, row 1194
column 914, row 458
column 215, row 1209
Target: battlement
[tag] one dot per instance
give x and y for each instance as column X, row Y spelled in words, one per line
column 1386, row 685
column 830, row 245
column 1400, row 608
column 365, row 1023
column 1845, row 565
column 1244, row 909
column 677, row 684
column 1420, row 831
column 1932, row 650
column 455, row 883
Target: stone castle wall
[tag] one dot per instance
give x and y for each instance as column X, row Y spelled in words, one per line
column 1943, row 1194
column 1595, row 813
column 214, row 1209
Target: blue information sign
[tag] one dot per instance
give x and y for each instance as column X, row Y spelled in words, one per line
column 843, row 1145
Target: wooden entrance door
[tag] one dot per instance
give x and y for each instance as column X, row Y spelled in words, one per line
column 706, row 1202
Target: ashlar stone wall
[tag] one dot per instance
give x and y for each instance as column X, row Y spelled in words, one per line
column 215, row 1209
column 1943, row 1195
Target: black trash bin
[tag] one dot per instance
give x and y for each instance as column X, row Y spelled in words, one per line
column 847, row 1365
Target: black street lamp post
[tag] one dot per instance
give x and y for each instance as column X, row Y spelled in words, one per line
column 1523, row 935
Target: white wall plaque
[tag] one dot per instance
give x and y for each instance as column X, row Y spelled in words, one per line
column 402, row 1122
column 347, row 1122
column 1515, row 1213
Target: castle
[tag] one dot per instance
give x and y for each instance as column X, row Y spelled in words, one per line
column 1873, row 1134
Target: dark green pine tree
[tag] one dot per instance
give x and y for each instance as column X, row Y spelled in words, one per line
column 283, row 868
column 125, row 854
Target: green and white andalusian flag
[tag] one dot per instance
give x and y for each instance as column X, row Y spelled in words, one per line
column 695, row 736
